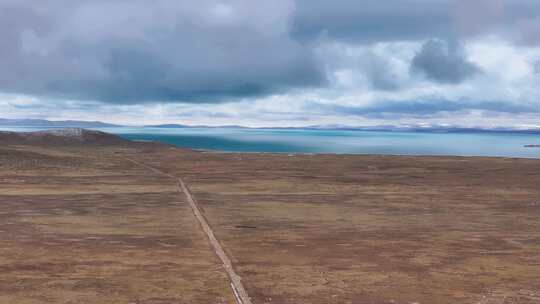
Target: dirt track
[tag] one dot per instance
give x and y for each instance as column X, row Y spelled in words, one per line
column 240, row 294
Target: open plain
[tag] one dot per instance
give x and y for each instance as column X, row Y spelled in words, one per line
column 82, row 224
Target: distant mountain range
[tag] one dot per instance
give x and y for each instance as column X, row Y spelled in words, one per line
column 197, row 126
column 49, row 123
column 381, row 128
column 385, row 128
column 425, row 128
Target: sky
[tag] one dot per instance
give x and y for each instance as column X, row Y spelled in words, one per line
column 273, row 63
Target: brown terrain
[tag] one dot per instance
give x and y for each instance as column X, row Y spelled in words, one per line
column 100, row 220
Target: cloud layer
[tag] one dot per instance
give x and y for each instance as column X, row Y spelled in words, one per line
column 296, row 62
column 443, row 62
column 166, row 50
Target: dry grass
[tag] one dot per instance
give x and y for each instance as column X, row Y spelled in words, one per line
column 366, row 229
column 85, row 226
column 88, row 227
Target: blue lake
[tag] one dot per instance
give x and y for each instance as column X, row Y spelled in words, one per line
column 334, row 141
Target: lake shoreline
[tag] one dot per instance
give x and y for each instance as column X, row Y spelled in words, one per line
column 357, row 142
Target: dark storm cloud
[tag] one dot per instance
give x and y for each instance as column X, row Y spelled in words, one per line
column 374, row 20
column 443, row 62
column 390, row 20
column 137, row 51
column 220, row 50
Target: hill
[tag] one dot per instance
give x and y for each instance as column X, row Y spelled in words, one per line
column 72, row 136
column 50, row 123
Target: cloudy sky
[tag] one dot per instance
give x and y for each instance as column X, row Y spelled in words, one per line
column 272, row 63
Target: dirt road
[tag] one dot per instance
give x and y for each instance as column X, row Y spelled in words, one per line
column 240, row 293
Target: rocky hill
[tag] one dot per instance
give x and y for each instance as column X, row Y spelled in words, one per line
column 61, row 137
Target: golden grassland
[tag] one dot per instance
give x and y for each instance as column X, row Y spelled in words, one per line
column 83, row 225
column 372, row 229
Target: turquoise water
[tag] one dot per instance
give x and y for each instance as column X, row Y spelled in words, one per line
column 335, row 141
